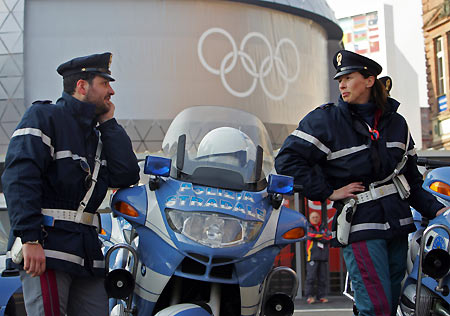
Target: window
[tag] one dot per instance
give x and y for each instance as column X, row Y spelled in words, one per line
column 440, row 66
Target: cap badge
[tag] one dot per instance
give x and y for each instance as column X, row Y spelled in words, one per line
column 339, row 59
column 110, row 60
column 388, row 84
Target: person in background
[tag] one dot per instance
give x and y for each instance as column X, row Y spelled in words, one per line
column 360, row 154
column 60, row 162
column 317, row 253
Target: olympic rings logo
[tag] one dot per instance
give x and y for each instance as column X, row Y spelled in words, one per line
column 273, row 60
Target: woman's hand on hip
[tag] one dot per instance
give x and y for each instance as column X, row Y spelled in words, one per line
column 347, row 192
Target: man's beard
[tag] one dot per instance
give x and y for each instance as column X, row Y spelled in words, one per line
column 100, row 104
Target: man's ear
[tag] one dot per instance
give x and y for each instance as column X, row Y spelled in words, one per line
column 82, row 87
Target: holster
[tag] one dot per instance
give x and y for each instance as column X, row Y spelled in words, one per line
column 344, row 220
column 402, row 186
column 16, row 251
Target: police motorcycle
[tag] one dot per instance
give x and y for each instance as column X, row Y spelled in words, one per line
column 202, row 232
column 426, row 287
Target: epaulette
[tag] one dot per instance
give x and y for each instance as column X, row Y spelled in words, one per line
column 42, row 101
column 326, row 105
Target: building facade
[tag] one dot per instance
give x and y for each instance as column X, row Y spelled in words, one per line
column 263, row 57
column 390, row 32
column 436, row 29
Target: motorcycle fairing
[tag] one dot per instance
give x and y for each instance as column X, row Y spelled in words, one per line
column 136, row 197
column 267, row 236
column 154, row 270
column 155, row 220
column 439, row 174
column 186, row 196
column 438, row 235
column 288, row 220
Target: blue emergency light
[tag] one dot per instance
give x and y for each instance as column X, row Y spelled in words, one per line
column 157, row 166
column 280, row 184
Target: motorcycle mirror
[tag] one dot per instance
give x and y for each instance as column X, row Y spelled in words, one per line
column 279, row 304
column 258, row 162
column 436, row 263
column 180, row 152
column 119, row 283
column 280, row 184
column 157, row 166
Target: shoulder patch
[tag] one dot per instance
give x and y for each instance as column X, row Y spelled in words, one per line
column 326, row 105
column 42, row 101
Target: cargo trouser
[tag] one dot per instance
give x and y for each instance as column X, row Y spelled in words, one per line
column 56, row 293
column 376, row 269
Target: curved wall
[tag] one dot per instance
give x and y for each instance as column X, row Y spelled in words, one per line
column 168, row 55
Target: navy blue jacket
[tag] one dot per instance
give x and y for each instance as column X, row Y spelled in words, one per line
column 42, row 170
column 332, row 147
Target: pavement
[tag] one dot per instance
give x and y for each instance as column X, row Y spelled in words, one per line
column 336, row 306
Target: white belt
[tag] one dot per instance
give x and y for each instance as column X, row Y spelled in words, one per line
column 69, row 215
column 376, row 193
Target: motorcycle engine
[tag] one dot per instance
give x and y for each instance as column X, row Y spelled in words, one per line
column 408, row 301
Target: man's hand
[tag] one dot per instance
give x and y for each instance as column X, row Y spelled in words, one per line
column 33, row 259
column 108, row 115
column 347, row 191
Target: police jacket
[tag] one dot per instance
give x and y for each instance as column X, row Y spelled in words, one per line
column 317, row 248
column 332, row 147
column 42, row 171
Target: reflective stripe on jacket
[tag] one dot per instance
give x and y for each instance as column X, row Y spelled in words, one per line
column 42, row 170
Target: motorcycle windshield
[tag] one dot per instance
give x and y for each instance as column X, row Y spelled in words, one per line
column 221, row 148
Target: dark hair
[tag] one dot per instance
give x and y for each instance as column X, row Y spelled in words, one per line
column 378, row 94
column 70, row 82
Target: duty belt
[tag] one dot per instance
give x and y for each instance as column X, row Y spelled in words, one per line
column 50, row 215
column 376, row 193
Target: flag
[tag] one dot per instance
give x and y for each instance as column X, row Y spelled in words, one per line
column 373, row 33
column 347, row 38
column 360, row 35
column 374, row 46
column 361, row 49
column 372, row 19
column 359, row 21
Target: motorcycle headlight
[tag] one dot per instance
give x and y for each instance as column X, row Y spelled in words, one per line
column 212, row 229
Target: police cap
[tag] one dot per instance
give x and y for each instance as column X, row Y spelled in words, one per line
column 387, row 83
column 96, row 63
column 347, row 62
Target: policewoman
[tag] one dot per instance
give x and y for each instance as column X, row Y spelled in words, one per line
column 60, row 162
column 359, row 153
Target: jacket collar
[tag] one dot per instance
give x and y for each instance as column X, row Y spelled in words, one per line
column 392, row 107
column 83, row 112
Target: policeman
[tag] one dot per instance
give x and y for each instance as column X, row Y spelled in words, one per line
column 348, row 153
column 60, row 162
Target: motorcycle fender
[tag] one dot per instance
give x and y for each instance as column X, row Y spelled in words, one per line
column 8, row 286
column 183, row 310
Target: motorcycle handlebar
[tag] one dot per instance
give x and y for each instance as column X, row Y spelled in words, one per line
column 432, row 163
